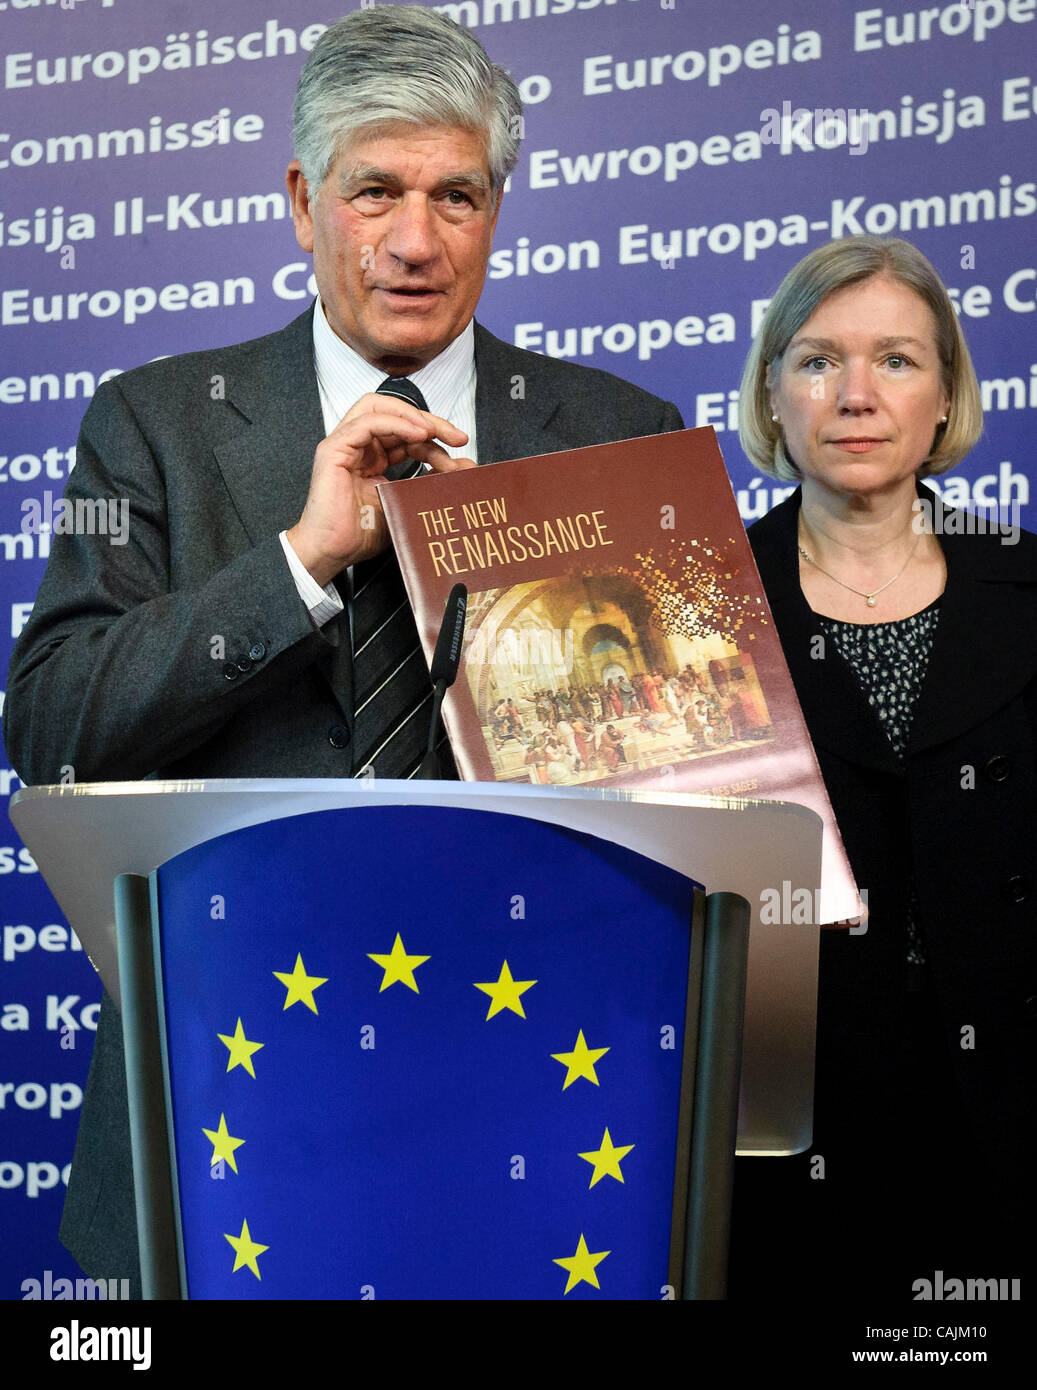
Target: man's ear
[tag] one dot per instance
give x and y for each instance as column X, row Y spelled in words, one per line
column 302, row 215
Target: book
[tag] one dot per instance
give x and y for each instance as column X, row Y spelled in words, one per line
column 617, row 629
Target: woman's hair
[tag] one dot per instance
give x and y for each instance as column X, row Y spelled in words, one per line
column 391, row 65
column 807, row 285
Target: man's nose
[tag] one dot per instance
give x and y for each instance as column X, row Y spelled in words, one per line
column 411, row 237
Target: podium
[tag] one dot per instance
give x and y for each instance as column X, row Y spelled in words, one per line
column 310, row 971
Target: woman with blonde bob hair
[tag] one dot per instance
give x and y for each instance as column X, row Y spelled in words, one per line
column 807, row 285
column 910, row 630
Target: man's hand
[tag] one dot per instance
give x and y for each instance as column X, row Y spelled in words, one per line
column 342, row 521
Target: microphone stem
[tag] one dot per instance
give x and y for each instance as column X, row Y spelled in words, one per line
column 439, row 690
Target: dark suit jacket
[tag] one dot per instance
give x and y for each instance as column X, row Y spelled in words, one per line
column 114, row 673
column 959, row 818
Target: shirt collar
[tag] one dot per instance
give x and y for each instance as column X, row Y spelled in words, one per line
column 344, row 376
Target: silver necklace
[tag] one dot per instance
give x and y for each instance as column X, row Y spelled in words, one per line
column 869, row 597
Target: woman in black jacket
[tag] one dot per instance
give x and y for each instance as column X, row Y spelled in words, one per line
column 910, row 631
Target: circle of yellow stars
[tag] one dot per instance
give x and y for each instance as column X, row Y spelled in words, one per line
column 398, row 967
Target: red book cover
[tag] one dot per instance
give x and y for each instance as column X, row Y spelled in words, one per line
column 617, row 629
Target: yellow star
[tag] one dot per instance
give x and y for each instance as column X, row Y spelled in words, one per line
column 606, row 1160
column 223, row 1144
column 246, row 1250
column 399, row 967
column 581, row 1266
column 240, row 1049
column 504, row 993
column 580, row 1061
column 300, row 985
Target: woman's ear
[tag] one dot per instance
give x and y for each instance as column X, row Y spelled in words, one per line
column 770, row 381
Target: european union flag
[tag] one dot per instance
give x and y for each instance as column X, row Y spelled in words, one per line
column 424, row 1053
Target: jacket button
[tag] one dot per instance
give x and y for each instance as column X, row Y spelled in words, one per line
column 338, row 736
column 230, row 671
column 244, row 665
column 997, row 769
column 257, row 651
column 1017, row 888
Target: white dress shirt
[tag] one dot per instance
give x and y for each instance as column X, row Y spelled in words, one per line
column 343, row 376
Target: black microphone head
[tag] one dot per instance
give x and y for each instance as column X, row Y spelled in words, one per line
column 447, row 655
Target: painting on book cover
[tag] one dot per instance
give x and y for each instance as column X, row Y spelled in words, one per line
column 588, row 677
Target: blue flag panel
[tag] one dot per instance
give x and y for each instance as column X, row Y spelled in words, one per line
column 424, row 1053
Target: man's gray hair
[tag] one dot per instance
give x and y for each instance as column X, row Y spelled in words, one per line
column 389, row 65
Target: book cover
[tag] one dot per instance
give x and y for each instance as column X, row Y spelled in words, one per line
column 617, row 629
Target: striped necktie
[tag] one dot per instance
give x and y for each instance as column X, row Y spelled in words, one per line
column 405, row 390
column 392, row 693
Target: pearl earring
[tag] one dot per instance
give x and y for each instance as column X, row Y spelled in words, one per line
column 774, row 418
column 943, row 419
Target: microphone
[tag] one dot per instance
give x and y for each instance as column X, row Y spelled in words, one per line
column 445, row 661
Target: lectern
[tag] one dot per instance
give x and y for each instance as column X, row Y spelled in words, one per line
column 440, row 1040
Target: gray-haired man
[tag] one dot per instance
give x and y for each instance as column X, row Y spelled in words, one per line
column 255, row 515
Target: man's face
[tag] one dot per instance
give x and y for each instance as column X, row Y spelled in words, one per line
column 400, row 235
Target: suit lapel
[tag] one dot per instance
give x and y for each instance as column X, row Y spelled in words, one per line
column 988, row 623
column 267, row 465
column 513, row 404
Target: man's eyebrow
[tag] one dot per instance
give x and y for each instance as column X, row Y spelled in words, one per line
column 369, row 174
column 365, row 173
column 466, row 178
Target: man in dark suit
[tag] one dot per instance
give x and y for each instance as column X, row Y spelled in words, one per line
column 255, row 622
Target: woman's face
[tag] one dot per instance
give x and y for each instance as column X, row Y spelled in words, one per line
column 859, row 392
